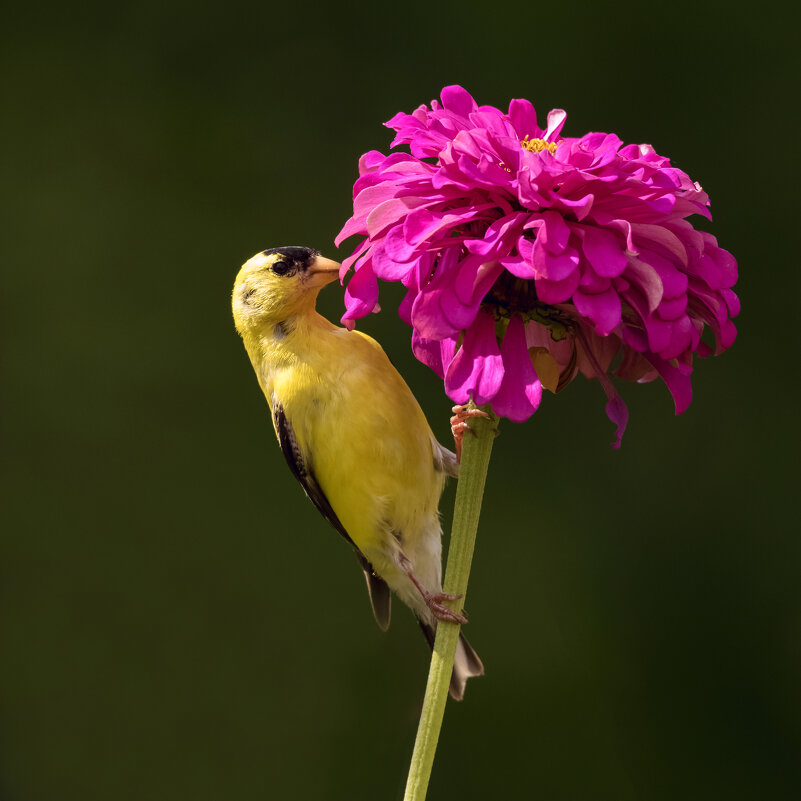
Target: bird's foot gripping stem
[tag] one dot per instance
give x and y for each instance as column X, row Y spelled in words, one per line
column 459, row 424
column 434, row 601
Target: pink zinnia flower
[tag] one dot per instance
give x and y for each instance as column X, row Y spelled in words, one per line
column 530, row 257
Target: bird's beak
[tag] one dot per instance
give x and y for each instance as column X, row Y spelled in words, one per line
column 323, row 270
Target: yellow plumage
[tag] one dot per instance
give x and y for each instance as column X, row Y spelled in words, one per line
column 352, row 433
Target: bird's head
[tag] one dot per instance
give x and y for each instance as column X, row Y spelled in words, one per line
column 278, row 284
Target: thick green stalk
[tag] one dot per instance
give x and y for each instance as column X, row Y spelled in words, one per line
column 469, row 493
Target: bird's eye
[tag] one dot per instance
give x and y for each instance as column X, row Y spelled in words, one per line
column 280, row 268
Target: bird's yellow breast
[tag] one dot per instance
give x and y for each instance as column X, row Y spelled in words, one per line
column 358, row 426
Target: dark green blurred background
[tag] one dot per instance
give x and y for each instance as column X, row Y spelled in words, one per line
column 177, row 621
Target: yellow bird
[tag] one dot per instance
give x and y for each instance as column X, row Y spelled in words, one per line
column 353, row 435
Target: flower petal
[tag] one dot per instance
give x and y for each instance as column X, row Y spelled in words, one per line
column 603, row 250
column 616, row 409
column 477, row 369
column 678, row 383
column 556, row 119
column 553, row 266
column 391, row 211
column 603, row 309
column 520, row 392
column 435, row 353
column 361, row 293
column 554, row 233
column 524, row 118
column 458, row 100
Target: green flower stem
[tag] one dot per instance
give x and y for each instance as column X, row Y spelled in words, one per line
column 476, row 452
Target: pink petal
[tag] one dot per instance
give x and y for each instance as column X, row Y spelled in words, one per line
column 557, row 291
column 592, row 283
column 370, row 161
column 348, row 262
column 603, row 309
column 520, row 392
column 554, row 233
column 616, row 409
column 645, row 278
column 477, row 369
column 661, row 236
column 673, row 309
column 554, row 267
column 396, row 246
column 387, row 269
column 475, row 278
column 524, row 118
column 678, row 383
column 437, row 354
column 659, row 333
column 674, row 280
column 732, row 302
column 405, row 306
column 556, row 119
column 361, row 294
column 457, row 100
column 518, row 266
column 427, row 316
column 390, row 211
column 422, row 224
column 683, row 338
column 498, row 237
column 355, row 225
column 603, row 250
column 581, row 207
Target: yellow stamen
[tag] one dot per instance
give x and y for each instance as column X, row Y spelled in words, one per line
column 536, row 145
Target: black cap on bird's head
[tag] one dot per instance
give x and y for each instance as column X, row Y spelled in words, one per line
column 291, row 258
column 279, row 283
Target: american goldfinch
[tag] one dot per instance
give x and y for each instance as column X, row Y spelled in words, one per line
column 353, row 435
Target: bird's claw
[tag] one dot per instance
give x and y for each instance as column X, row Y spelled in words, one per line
column 447, row 596
column 459, row 424
column 442, row 612
column 434, row 601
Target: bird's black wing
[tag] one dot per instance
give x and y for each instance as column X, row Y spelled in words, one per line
column 302, row 470
column 380, row 596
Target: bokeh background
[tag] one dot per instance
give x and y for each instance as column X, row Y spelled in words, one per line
column 177, row 622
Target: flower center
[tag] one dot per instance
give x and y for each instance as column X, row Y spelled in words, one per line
column 537, row 145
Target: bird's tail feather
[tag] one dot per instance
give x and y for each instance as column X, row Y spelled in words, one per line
column 466, row 662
